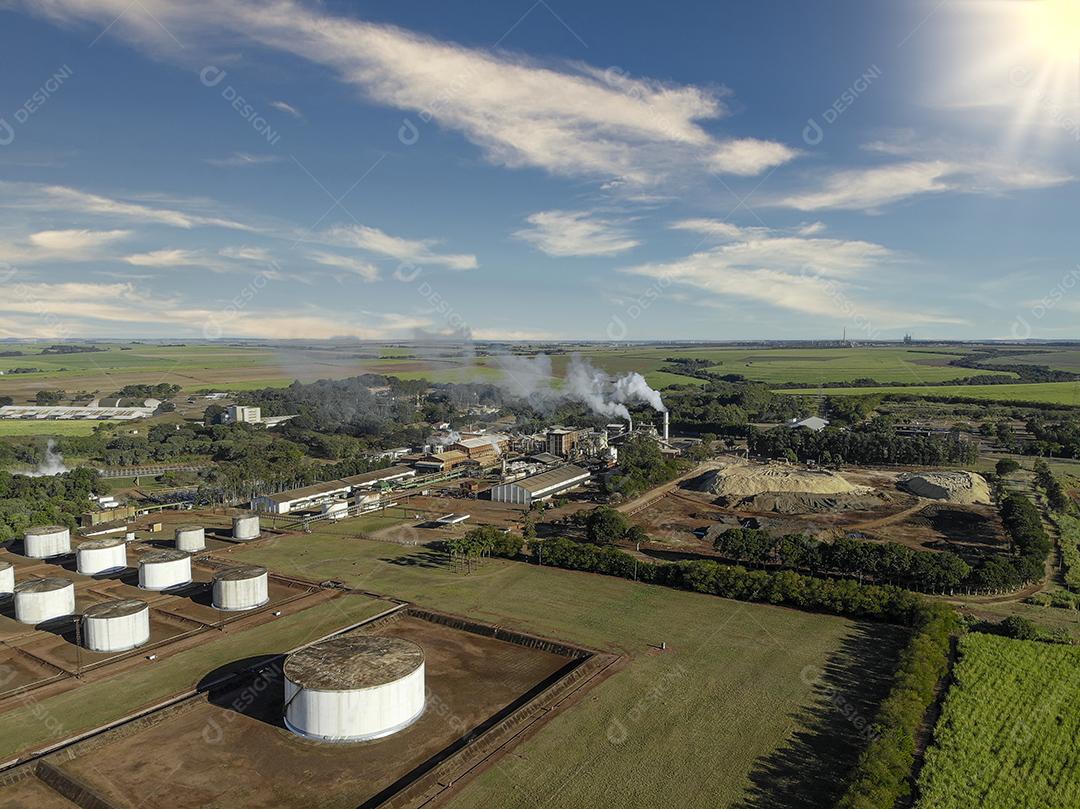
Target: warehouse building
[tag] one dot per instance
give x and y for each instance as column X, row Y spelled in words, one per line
column 441, row 462
column 486, row 450
column 540, row 487
column 320, row 493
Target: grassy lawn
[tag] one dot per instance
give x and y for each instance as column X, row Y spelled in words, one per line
column 18, row 427
column 95, row 703
column 730, row 715
column 1007, row 735
column 1045, row 392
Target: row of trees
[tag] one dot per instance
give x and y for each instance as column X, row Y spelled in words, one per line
column 876, row 443
column 1051, row 487
column 889, row 563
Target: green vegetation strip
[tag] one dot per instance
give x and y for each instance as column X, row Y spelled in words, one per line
column 1069, row 528
column 18, row 427
column 1067, row 393
column 1007, row 734
column 37, row 723
column 730, row 690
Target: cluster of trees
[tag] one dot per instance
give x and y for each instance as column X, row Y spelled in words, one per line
column 641, row 466
column 484, row 541
column 607, row 526
column 726, row 407
column 50, row 397
column 876, row 443
column 1030, row 545
column 163, row 390
column 1052, row 488
column 29, row 501
column 889, row 563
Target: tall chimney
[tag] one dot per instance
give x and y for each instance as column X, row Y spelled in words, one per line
column 667, row 425
column 630, row 428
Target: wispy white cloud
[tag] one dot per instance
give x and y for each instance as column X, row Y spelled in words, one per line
column 568, row 119
column 243, row 160
column 53, row 198
column 813, row 276
column 575, row 233
column 165, row 258
column 875, row 187
column 365, row 269
column 288, row 109
column 414, row 251
column 72, row 245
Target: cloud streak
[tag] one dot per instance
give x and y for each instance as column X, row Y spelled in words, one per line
column 575, row 233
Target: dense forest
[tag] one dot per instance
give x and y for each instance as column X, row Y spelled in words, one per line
column 877, row 442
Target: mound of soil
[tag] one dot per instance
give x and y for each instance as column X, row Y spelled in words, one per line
column 749, row 480
column 953, row 487
column 805, row 503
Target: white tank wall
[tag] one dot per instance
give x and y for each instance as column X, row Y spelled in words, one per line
column 245, row 527
column 191, row 540
column 33, row 608
column 161, row 575
column 7, row 581
column 117, row 634
column 97, row 560
column 44, row 545
column 241, row 594
column 355, row 715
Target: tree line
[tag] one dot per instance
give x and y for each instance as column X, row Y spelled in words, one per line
column 875, row 443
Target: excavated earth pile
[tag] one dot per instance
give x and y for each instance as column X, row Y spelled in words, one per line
column 953, row 487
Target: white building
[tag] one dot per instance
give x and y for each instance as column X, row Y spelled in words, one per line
column 242, row 414
column 813, row 423
column 319, row 494
column 540, row 487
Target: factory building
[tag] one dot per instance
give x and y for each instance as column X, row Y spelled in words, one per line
column 241, row 414
column 540, row 487
column 354, row 688
column 442, row 462
column 562, row 441
column 319, row 493
column 486, row 450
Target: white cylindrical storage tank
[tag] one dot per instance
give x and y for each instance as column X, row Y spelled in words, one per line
column 41, row 600
column 101, row 555
column 191, row 538
column 160, row 570
column 241, row 588
column 46, row 541
column 246, row 527
column 354, row 688
column 116, row 626
column 7, row 578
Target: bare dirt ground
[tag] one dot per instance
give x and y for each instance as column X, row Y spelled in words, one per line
column 31, row 793
column 234, row 751
column 673, row 516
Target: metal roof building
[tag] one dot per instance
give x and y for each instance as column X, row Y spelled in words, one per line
column 317, row 493
column 540, row 487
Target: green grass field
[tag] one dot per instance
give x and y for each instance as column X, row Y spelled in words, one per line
column 1065, row 359
column 1007, row 735
column 1034, row 392
column 19, row 428
column 95, row 703
column 729, row 715
column 243, row 367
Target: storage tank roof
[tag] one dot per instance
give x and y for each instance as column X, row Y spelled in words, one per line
column 240, row 573
column 353, row 661
column 167, row 555
column 185, row 528
column 42, row 585
column 98, row 544
column 119, row 608
column 46, row 529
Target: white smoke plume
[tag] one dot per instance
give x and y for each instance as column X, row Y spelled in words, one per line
column 51, row 464
column 531, row 378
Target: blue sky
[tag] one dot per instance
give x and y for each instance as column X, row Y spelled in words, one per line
column 538, row 170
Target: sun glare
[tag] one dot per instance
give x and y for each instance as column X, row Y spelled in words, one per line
column 1052, row 27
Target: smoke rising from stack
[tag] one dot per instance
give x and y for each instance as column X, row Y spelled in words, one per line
column 51, row 464
column 531, row 379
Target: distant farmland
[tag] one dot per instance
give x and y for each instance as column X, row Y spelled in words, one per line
column 1036, row 393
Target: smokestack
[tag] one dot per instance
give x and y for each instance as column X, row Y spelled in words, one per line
column 630, row 429
column 667, row 419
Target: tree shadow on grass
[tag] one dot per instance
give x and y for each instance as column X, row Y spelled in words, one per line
column 425, row 559
column 810, row 771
